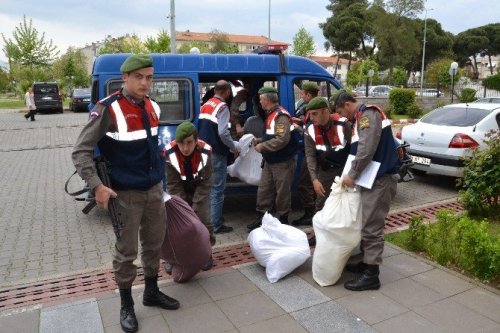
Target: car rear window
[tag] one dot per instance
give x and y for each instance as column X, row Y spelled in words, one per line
column 80, row 92
column 461, row 117
column 45, row 89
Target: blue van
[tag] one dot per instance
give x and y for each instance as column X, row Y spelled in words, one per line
column 181, row 81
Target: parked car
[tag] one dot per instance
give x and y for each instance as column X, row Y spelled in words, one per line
column 379, row 91
column 47, row 97
column 488, row 100
column 429, row 93
column 79, row 99
column 439, row 141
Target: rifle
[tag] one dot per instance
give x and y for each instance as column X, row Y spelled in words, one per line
column 102, row 167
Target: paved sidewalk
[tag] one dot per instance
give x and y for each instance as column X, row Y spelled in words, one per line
column 416, row 296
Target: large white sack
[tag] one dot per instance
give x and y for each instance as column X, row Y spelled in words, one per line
column 338, row 231
column 278, row 247
column 247, row 166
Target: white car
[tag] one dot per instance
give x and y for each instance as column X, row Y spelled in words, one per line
column 488, row 100
column 440, row 140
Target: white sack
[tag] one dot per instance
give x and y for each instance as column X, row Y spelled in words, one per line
column 247, row 165
column 338, row 231
column 278, row 247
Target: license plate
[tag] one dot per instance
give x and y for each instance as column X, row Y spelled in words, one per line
column 86, row 99
column 421, row 160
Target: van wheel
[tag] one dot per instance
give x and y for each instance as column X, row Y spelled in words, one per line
column 61, row 110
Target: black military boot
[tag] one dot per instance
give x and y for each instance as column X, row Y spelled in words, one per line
column 255, row 224
column 128, row 321
column 154, row 297
column 368, row 280
column 305, row 219
column 284, row 219
column 356, row 268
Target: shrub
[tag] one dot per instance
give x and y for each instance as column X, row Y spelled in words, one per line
column 467, row 95
column 414, row 111
column 389, row 110
column 480, row 189
column 401, row 99
column 492, row 82
column 418, row 233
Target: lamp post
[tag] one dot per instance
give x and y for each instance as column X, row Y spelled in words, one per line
column 453, row 71
column 172, row 26
column 423, row 54
column 269, row 23
column 15, row 88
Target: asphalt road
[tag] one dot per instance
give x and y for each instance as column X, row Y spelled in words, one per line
column 45, row 235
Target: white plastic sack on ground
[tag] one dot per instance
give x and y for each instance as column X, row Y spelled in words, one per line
column 278, row 247
column 338, row 231
column 247, row 165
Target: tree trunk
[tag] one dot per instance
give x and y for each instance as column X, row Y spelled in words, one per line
column 489, row 60
column 336, row 65
column 350, row 59
column 476, row 72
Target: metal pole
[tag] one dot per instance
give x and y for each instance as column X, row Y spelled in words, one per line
column 172, row 26
column 452, row 84
column 423, row 57
column 269, row 23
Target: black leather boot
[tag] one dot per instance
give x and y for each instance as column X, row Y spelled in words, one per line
column 368, row 280
column 154, row 297
column 284, row 219
column 255, row 224
column 128, row 321
column 356, row 268
column 305, row 219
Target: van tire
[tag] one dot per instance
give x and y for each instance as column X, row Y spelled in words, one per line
column 61, row 110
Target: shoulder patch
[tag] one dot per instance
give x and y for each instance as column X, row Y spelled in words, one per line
column 280, row 128
column 364, row 122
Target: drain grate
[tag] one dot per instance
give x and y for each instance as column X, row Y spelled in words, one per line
column 96, row 283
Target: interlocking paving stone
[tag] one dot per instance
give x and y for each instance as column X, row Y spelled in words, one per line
column 454, row 317
column 227, row 285
column 77, row 317
column 21, row 321
column 372, row 306
column 281, row 324
column 284, row 292
column 409, row 322
column 482, row 301
column 201, row 318
column 410, row 294
column 406, row 265
column 249, row 308
column 330, row 317
column 443, row 282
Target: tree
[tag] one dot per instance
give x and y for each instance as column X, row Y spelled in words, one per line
column 221, row 43
column 28, row 48
column 438, row 72
column 186, row 47
column 4, row 80
column 303, row 43
column 399, row 77
column 123, row 44
column 406, row 8
column 160, row 44
column 467, row 45
column 71, row 68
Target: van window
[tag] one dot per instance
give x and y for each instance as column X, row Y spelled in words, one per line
column 326, row 89
column 174, row 96
column 45, row 89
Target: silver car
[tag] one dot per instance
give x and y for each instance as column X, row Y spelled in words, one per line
column 439, row 141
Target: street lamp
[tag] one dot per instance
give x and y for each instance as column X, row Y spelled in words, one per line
column 453, row 71
column 423, row 54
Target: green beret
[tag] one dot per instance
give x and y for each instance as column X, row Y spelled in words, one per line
column 317, row 103
column 267, row 90
column 135, row 62
column 184, row 130
column 310, row 86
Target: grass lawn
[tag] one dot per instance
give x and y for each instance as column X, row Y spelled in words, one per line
column 10, row 103
column 399, row 116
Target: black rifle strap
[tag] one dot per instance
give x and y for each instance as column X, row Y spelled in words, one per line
column 73, row 194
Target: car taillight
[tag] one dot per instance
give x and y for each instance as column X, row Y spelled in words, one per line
column 462, row 141
column 399, row 133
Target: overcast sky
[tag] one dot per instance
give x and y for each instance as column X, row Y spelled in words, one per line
column 77, row 23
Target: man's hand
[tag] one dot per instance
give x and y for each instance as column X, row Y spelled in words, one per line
column 102, row 195
column 236, row 153
column 347, row 181
column 318, row 188
column 239, row 130
column 258, row 147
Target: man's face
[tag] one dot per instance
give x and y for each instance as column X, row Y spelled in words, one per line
column 187, row 145
column 346, row 110
column 139, row 81
column 305, row 95
column 319, row 117
column 264, row 102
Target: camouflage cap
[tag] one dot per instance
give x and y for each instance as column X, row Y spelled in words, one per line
column 317, row 103
column 268, row 90
column 135, row 62
column 185, row 130
column 310, row 86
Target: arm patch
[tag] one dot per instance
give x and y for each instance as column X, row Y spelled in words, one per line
column 364, row 122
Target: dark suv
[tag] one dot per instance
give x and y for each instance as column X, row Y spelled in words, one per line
column 47, row 96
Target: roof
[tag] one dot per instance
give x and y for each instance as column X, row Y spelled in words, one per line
column 239, row 39
column 330, row 60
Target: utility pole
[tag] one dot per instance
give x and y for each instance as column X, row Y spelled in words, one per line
column 269, row 23
column 423, row 55
column 172, row 26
